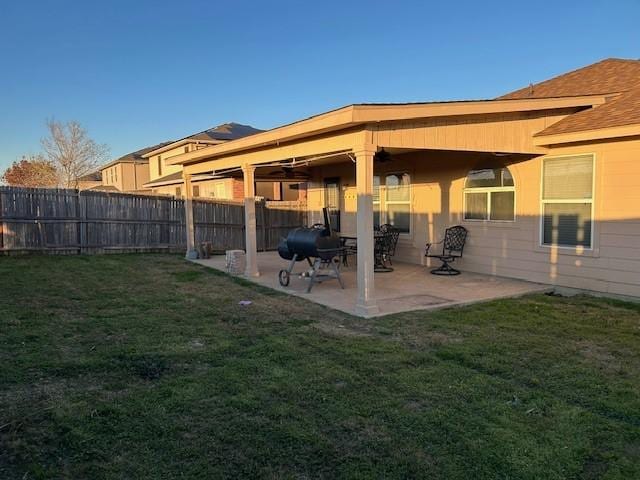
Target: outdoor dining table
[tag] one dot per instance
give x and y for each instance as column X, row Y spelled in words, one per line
column 378, row 236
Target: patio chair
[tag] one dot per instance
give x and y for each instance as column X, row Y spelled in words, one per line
column 350, row 246
column 453, row 244
column 392, row 234
column 385, row 247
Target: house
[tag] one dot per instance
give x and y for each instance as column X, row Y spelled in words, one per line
column 90, row 181
column 166, row 177
column 546, row 179
column 128, row 173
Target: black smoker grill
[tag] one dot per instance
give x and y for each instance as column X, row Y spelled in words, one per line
column 319, row 246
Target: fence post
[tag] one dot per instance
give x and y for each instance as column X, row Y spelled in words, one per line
column 263, row 214
column 82, row 222
column 1, row 220
column 188, row 218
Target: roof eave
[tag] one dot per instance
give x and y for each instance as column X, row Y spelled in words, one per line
column 588, row 135
column 353, row 115
column 180, row 143
column 115, row 162
column 164, row 183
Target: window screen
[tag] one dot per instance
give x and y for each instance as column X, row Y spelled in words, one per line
column 567, row 201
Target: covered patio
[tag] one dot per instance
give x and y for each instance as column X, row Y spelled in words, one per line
column 409, row 287
column 404, row 165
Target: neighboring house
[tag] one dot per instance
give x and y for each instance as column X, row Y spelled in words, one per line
column 546, row 178
column 90, row 180
column 166, row 178
column 128, row 173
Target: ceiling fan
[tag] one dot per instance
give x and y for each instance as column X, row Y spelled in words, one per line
column 290, row 173
column 382, row 156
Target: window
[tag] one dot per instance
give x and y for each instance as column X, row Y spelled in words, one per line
column 265, row 190
column 196, row 190
column 567, row 201
column 178, row 192
column 392, row 201
column 489, row 194
column 290, row 191
column 115, row 173
column 186, row 149
column 159, row 165
column 218, row 190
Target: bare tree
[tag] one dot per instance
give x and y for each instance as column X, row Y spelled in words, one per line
column 72, row 151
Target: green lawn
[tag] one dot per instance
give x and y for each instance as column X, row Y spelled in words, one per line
column 146, row 367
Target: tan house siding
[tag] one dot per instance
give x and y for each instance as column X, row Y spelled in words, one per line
column 511, row 132
column 512, row 249
column 126, row 176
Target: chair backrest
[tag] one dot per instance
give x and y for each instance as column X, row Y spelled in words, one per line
column 454, row 240
column 391, row 235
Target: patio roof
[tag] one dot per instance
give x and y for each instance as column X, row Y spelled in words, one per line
column 408, row 287
column 361, row 114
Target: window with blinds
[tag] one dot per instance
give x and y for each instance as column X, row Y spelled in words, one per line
column 490, row 194
column 567, row 201
column 392, row 201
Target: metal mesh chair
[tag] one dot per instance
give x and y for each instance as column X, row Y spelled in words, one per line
column 452, row 247
column 391, row 235
column 385, row 247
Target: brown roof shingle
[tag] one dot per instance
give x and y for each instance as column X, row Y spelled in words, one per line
column 612, row 75
column 619, row 111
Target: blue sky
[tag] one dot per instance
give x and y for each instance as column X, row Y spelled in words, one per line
column 136, row 73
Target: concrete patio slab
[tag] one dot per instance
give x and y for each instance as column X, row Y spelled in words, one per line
column 408, row 287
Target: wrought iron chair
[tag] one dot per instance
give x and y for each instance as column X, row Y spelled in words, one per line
column 385, row 247
column 453, row 245
column 391, row 235
column 350, row 246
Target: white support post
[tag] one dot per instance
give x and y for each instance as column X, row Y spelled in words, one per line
column 366, row 302
column 251, row 242
column 188, row 217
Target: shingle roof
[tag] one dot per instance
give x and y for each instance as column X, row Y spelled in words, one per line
column 618, row 78
column 104, row 188
column 612, row 75
column 175, row 177
column 226, row 131
column 91, row 177
column 135, row 156
column 619, row 111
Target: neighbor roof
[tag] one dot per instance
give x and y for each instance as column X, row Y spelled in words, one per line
column 104, row 188
column 170, row 179
column 135, row 157
column 214, row 135
column 91, row 177
column 226, row 131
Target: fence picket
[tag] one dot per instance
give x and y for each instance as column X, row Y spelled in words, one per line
column 67, row 221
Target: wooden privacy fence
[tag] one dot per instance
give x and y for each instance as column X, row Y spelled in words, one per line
column 68, row 221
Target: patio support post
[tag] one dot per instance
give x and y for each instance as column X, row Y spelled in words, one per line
column 251, row 242
column 366, row 301
column 188, row 218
